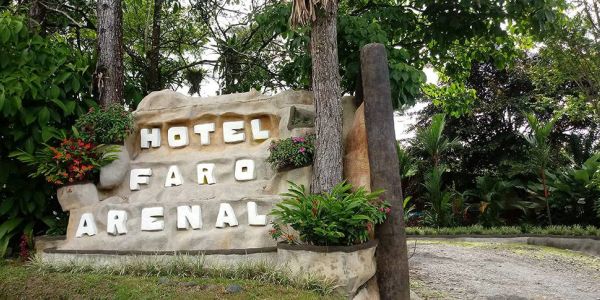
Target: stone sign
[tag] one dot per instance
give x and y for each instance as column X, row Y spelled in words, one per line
column 192, row 177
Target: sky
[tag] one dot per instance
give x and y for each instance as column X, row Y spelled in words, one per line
column 403, row 120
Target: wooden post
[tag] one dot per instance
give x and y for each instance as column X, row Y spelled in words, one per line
column 392, row 260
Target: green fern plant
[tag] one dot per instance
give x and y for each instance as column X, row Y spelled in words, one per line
column 337, row 218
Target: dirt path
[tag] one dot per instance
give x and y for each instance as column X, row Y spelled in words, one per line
column 484, row 270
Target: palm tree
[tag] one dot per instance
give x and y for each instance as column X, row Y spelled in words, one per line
column 321, row 15
column 432, row 140
column 539, row 151
column 439, row 200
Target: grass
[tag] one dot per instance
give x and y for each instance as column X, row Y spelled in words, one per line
column 531, row 251
column 146, row 280
column 575, row 230
column 424, row 291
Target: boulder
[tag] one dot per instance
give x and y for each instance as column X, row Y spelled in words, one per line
column 77, row 195
column 113, row 174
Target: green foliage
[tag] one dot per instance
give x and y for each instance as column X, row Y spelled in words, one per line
column 575, row 230
column 539, row 141
column 182, row 39
column 438, row 200
column 294, row 152
column 496, row 197
column 434, row 144
column 539, row 153
column 432, row 141
column 42, row 90
column 574, row 198
column 448, row 35
column 73, row 161
column 57, row 223
column 338, row 218
column 408, row 164
column 454, row 99
column 408, row 209
column 110, row 125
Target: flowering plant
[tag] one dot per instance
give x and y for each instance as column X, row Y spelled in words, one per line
column 110, row 125
column 338, row 218
column 72, row 161
column 293, row 152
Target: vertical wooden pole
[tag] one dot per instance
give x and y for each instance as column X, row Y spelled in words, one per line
column 392, row 260
column 109, row 68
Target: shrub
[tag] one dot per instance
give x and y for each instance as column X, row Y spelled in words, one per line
column 575, row 230
column 72, row 161
column 340, row 217
column 110, row 125
column 293, row 152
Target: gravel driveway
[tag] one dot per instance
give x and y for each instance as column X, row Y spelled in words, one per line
column 486, row 270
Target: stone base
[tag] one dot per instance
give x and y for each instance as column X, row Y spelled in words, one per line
column 350, row 267
column 369, row 291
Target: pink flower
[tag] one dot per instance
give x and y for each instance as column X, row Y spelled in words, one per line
column 298, row 139
column 388, row 210
column 302, row 150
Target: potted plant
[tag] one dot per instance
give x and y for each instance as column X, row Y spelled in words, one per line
column 108, row 126
column 291, row 153
column 328, row 233
column 73, row 165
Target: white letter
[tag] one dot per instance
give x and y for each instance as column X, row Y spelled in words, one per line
column 150, row 221
column 137, row 177
column 189, row 215
column 253, row 217
column 204, row 131
column 178, row 137
column 86, row 225
column 150, row 137
column 116, row 221
column 226, row 215
column 258, row 134
column 173, row 177
column 244, row 169
column 230, row 134
column 206, row 173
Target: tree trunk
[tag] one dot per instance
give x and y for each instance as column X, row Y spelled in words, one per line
column 392, row 257
column 153, row 80
column 108, row 78
column 328, row 166
column 546, row 194
column 36, row 15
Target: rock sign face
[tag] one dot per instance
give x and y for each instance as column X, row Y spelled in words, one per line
column 193, row 176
